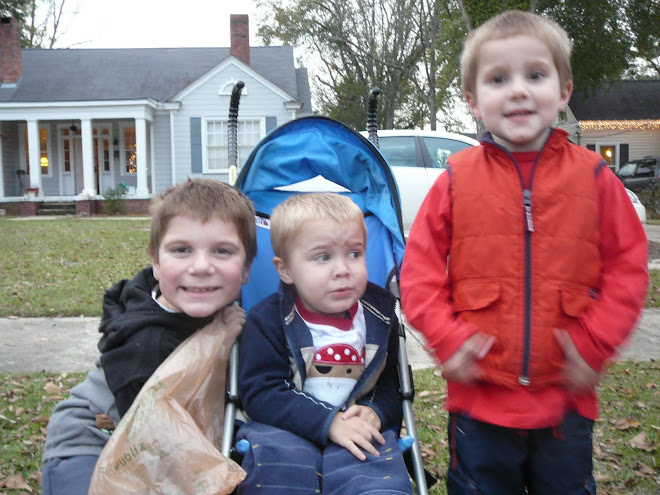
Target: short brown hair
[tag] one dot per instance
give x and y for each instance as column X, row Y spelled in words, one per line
column 204, row 199
column 289, row 217
column 515, row 23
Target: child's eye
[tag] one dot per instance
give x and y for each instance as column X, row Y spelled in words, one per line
column 223, row 251
column 355, row 254
column 498, row 79
column 322, row 258
column 535, row 75
column 180, row 250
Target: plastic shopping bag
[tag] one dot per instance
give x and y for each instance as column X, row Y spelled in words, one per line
column 169, row 440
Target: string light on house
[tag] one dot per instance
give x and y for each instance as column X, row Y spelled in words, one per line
column 620, row 125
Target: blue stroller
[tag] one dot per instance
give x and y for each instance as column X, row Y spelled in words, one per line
column 317, row 154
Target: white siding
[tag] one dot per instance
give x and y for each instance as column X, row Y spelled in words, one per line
column 257, row 101
column 162, row 153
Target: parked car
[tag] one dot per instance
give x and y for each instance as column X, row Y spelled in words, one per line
column 640, row 174
column 639, row 207
column 417, row 158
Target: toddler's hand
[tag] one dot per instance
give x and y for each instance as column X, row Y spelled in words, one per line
column 462, row 366
column 363, row 412
column 578, row 375
column 355, row 433
column 231, row 320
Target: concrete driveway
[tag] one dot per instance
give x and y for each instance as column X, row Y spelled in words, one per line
column 652, row 232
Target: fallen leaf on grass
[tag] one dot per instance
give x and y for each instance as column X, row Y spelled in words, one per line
column 603, row 478
column 426, row 393
column 17, row 482
column 624, row 424
column 641, row 469
column 642, row 442
column 51, row 388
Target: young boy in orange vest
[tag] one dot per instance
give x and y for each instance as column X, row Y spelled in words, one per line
column 525, row 269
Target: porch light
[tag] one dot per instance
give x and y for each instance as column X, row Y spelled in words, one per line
column 44, row 161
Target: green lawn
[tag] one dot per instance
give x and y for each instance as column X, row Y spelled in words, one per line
column 61, row 268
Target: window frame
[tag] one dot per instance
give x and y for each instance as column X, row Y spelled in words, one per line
column 22, row 129
column 122, row 149
column 261, row 122
column 617, row 151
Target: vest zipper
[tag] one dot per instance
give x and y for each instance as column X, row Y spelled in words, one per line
column 528, row 220
column 523, row 379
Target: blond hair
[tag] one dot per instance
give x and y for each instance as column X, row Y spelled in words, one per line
column 290, row 216
column 204, row 199
column 516, row 23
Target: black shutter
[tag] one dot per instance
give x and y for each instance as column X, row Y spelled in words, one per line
column 623, row 155
column 591, row 147
column 196, row 145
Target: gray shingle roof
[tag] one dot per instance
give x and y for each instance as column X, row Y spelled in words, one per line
column 627, row 100
column 136, row 73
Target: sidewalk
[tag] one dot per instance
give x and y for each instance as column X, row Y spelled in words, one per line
column 69, row 344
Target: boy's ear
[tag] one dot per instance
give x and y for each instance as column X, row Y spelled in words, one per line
column 565, row 95
column 472, row 103
column 282, row 270
column 156, row 268
column 246, row 274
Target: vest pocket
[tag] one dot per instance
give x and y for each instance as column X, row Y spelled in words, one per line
column 576, row 299
column 468, row 296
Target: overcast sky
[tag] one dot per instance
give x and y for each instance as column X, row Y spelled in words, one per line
column 153, row 23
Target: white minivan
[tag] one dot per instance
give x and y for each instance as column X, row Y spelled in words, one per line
column 417, row 158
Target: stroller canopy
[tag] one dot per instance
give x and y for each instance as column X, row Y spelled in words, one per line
column 318, row 154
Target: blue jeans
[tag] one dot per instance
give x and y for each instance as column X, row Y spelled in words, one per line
column 282, row 463
column 493, row 460
column 68, row 475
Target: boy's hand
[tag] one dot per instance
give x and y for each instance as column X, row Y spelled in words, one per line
column 578, row 375
column 363, row 412
column 355, row 433
column 462, row 366
column 232, row 318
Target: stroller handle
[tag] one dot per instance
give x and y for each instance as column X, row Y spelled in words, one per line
column 372, row 116
column 232, row 127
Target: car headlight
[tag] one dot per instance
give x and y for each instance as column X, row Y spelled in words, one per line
column 633, row 197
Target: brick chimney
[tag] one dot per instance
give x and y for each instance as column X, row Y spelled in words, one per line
column 239, row 27
column 11, row 64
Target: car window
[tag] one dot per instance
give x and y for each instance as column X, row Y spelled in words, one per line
column 644, row 171
column 399, row 151
column 627, row 170
column 440, row 149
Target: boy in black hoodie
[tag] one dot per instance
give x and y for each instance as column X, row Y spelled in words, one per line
column 202, row 244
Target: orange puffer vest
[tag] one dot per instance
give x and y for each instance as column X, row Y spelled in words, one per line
column 521, row 262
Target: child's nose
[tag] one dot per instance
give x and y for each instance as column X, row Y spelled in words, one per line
column 201, row 264
column 518, row 87
column 341, row 268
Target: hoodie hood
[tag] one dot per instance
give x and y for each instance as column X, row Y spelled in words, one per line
column 128, row 307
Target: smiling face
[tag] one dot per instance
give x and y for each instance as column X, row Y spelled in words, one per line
column 326, row 263
column 200, row 265
column 517, row 92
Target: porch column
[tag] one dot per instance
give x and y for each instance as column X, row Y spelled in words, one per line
column 89, row 184
column 34, row 150
column 2, row 171
column 142, row 152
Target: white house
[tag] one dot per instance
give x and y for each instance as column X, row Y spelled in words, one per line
column 76, row 122
column 620, row 121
